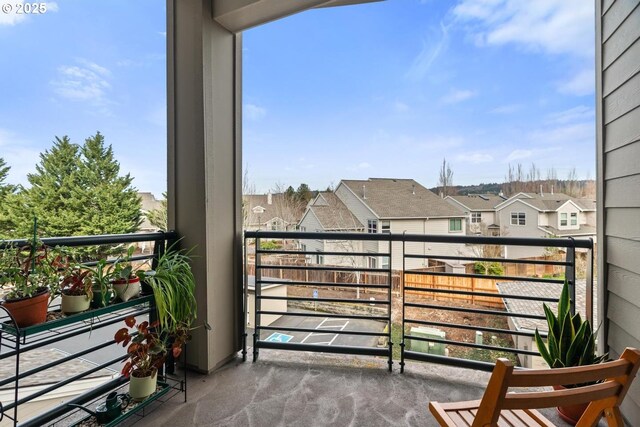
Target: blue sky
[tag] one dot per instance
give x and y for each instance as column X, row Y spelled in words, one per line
column 380, row 90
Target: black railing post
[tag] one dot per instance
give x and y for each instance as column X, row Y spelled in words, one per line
column 245, row 297
column 589, row 290
column 390, row 307
column 570, row 274
column 256, row 299
column 402, row 284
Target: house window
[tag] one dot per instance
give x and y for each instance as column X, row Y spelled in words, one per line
column 518, row 218
column 455, row 224
column 563, row 219
column 372, row 262
column 574, row 218
column 372, row 226
column 386, row 227
column 476, row 217
column 385, row 262
column 319, row 259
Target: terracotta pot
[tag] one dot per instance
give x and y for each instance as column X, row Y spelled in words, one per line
column 29, row 311
column 127, row 289
column 571, row 413
column 142, row 387
column 72, row 304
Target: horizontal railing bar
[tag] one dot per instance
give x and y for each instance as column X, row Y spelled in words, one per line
column 355, row 301
column 473, row 345
column 483, row 294
column 435, row 238
column 329, row 315
column 322, row 331
column 55, row 363
column 59, row 410
column 485, row 276
column 474, row 310
column 284, row 252
column 74, row 333
column 451, row 361
column 115, row 259
column 340, row 349
column 104, row 239
column 500, row 260
column 65, row 382
column 317, row 268
column 331, row 284
column 472, row 327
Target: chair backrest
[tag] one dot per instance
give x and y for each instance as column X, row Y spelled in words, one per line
column 615, row 378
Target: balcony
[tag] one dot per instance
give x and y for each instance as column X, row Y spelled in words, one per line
column 324, row 347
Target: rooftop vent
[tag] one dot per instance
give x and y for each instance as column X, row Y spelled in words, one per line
column 364, row 191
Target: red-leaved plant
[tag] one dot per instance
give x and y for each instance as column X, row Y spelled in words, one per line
column 146, row 350
column 77, row 282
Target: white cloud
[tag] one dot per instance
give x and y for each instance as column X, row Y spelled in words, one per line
column 474, row 158
column 584, row 132
column 431, row 50
column 507, row 109
column 518, row 155
column 549, row 26
column 364, row 165
column 13, row 17
column 254, row 112
column 583, row 83
column 580, row 113
column 87, row 82
column 455, row 96
column 400, row 107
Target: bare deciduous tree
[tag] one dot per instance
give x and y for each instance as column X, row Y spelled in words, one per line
column 445, row 181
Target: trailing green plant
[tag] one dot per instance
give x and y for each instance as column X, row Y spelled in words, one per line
column 123, row 269
column 28, row 270
column 570, row 340
column 101, row 276
column 173, row 287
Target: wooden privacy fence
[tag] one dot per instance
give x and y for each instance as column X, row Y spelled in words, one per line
column 471, row 284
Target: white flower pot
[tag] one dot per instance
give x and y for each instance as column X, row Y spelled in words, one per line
column 127, row 290
column 141, row 388
column 74, row 303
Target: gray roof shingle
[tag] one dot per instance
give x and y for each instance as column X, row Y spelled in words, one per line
column 542, row 290
column 401, row 198
column 479, row 202
column 334, row 215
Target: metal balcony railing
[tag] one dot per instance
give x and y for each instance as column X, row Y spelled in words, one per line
column 417, row 288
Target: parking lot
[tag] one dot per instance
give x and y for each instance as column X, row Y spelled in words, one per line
column 324, row 330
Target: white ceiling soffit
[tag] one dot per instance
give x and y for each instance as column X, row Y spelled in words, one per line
column 239, row 15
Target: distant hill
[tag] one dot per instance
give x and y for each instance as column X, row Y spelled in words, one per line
column 586, row 187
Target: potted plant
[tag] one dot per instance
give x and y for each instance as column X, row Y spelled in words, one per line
column 102, row 290
column 173, row 286
column 125, row 282
column 30, row 275
column 146, row 353
column 76, row 290
column 570, row 342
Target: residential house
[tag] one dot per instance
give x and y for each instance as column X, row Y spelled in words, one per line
column 481, row 212
column 148, row 203
column 385, row 205
column 326, row 212
column 544, row 215
column 273, row 212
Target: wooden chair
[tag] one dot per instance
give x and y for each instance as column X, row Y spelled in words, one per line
column 499, row 408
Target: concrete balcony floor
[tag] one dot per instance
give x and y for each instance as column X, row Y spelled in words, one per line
column 308, row 389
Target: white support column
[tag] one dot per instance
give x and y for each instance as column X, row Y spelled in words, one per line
column 204, row 168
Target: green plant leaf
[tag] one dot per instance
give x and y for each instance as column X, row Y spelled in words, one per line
column 542, row 348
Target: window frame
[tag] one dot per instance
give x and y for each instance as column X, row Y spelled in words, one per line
column 476, row 217
column 519, row 217
column 385, row 227
column 564, row 219
column 457, row 221
column 371, row 223
column 573, row 217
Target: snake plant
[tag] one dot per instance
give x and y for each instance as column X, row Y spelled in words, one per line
column 570, row 341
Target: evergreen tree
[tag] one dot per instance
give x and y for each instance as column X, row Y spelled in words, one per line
column 76, row 190
column 6, row 191
column 158, row 217
column 303, row 193
column 106, row 201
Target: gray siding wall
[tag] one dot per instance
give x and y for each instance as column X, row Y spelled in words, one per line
column 362, row 212
column 530, row 229
column 618, row 155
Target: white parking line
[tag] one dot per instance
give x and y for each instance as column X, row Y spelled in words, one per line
column 322, row 325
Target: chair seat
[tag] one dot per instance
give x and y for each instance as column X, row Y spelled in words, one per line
column 461, row 414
